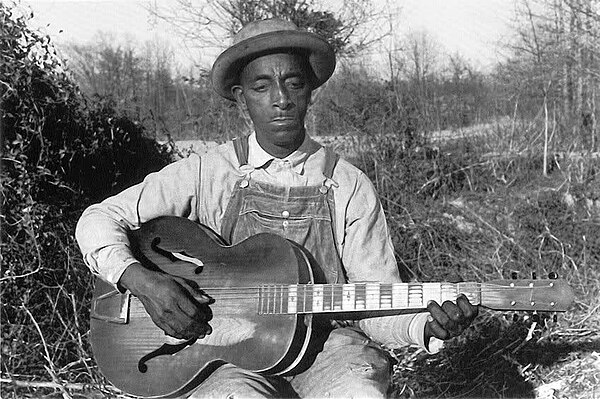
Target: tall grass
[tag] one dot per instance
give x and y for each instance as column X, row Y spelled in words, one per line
column 457, row 213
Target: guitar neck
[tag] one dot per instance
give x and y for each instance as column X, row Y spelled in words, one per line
column 359, row 297
column 528, row 295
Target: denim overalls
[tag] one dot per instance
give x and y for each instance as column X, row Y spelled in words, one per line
column 350, row 365
column 304, row 215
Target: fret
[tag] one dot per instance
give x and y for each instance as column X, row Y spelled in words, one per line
column 415, row 295
column 385, row 295
column 449, row 292
column 327, row 297
column 331, row 299
column 359, row 296
column 260, row 300
column 372, row 296
column 338, row 296
column 308, row 293
column 432, row 292
column 348, row 297
column 400, row 295
column 282, row 300
column 317, row 298
column 268, row 296
column 471, row 290
column 292, row 299
column 301, row 299
column 265, row 306
column 271, row 299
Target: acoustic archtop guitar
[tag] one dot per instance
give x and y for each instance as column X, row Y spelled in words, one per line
column 265, row 298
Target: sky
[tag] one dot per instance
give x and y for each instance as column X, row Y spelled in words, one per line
column 471, row 28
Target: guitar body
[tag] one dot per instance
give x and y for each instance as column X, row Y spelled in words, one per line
column 137, row 357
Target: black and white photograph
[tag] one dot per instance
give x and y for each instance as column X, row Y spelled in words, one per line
column 300, row 199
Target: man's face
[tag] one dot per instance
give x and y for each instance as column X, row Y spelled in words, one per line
column 276, row 93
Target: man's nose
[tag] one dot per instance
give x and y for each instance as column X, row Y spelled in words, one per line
column 281, row 97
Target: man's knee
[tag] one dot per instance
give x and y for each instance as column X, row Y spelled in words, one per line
column 229, row 382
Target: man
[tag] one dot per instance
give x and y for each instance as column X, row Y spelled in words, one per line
column 275, row 180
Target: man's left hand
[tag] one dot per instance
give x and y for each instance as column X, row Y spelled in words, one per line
column 450, row 319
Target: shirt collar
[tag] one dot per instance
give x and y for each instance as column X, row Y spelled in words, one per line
column 258, row 157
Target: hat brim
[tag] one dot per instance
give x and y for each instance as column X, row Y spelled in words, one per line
column 226, row 69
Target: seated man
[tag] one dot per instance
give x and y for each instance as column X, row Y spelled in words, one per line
column 275, row 180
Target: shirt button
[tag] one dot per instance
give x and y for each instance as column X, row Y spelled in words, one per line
column 244, row 184
column 285, row 214
column 285, row 223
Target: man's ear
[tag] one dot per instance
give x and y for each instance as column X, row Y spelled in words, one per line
column 238, row 94
column 314, row 94
column 240, row 100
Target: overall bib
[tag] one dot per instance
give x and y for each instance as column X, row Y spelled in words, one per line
column 349, row 364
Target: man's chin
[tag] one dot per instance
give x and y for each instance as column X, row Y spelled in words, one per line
column 284, row 137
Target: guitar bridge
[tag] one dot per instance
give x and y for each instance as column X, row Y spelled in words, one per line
column 112, row 307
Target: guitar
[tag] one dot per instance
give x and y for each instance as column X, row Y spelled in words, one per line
column 265, row 298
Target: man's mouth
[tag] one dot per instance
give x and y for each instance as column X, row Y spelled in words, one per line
column 282, row 118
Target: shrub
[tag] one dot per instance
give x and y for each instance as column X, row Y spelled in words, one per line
column 60, row 151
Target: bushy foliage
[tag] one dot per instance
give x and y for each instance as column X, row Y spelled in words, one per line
column 60, row 151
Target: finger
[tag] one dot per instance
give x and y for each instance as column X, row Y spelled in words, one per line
column 207, row 299
column 189, row 307
column 469, row 311
column 437, row 330
column 453, row 311
column 194, row 290
column 169, row 328
column 445, row 316
column 162, row 319
column 197, row 330
column 206, row 312
column 437, row 313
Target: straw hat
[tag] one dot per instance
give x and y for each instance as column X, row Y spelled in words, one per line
column 265, row 37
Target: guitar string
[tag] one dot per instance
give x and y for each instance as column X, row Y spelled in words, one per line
column 328, row 290
column 305, row 293
column 305, row 296
column 309, row 287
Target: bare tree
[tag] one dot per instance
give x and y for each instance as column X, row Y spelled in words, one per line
column 205, row 23
column 555, row 63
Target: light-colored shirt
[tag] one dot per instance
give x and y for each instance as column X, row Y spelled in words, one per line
column 181, row 189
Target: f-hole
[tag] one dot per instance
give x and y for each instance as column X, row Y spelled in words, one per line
column 154, row 245
column 165, row 349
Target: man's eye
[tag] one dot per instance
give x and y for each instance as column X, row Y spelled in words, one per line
column 296, row 84
column 259, row 88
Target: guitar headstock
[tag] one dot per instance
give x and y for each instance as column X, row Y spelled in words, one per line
column 551, row 295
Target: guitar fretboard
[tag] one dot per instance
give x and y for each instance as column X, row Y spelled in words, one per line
column 329, row 298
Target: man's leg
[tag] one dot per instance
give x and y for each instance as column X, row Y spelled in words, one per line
column 229, row 382
column 350, row 366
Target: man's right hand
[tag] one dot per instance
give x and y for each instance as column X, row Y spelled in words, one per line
column 177, row 307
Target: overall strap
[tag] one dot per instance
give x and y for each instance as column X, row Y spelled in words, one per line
column 240, row 145
column 331, row 159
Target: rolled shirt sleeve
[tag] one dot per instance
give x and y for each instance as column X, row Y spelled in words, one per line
column 368, row 255
column 101, row 231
